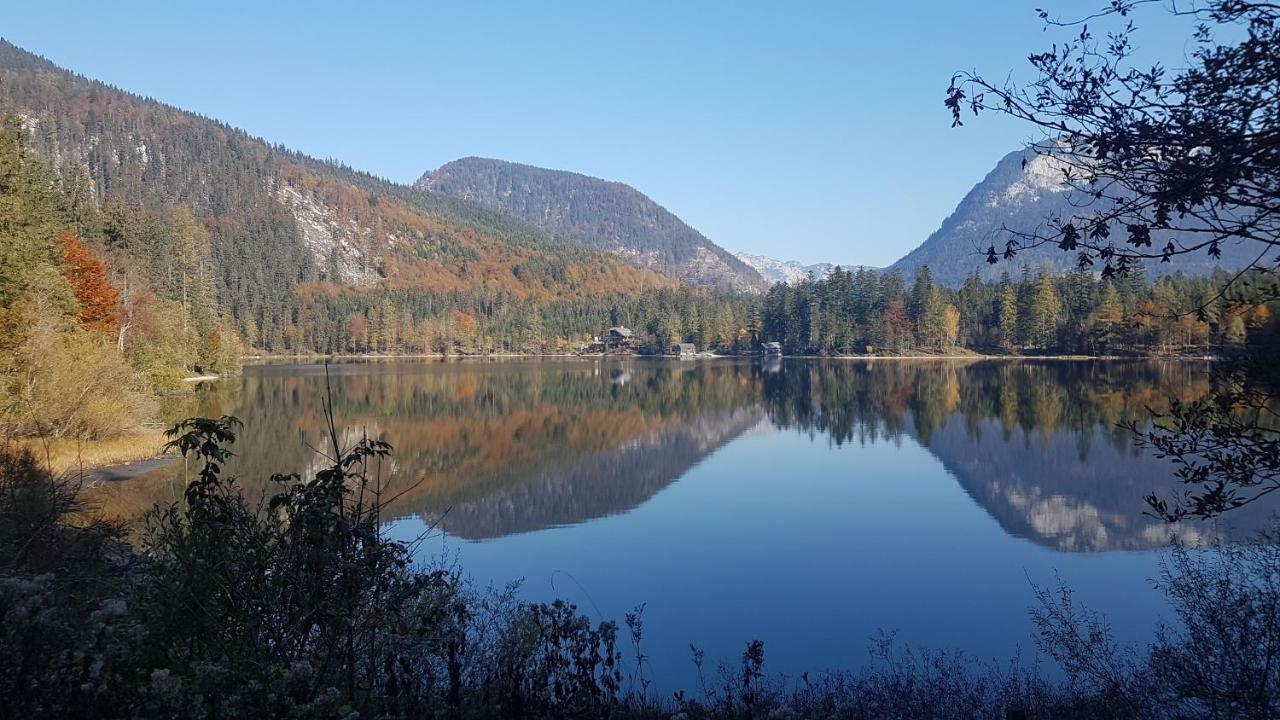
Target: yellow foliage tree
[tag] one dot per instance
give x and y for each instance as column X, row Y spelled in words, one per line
column 950, row 327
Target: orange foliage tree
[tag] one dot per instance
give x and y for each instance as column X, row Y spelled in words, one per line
column 97, row 297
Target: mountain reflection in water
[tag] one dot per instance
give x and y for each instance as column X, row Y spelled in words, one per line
column 518, row 446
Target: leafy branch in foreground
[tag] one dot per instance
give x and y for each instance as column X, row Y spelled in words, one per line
column 1172, row 162
column 1225, row 447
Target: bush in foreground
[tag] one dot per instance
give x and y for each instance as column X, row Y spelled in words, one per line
column 299, row 607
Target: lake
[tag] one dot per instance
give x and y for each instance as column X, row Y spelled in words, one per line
column 806, row 503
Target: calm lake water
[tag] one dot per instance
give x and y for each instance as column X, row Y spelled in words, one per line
column 805, row 503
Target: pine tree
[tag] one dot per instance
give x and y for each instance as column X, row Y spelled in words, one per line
column 755, row 326
column 1046, row 313
column 532, row 336
column 922, row 293
column 1008, row 315
column 1107, row 319
column 29, row 226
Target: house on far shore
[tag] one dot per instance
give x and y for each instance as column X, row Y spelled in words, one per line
column 687, row 350
column 771, row 348
column 620, row 337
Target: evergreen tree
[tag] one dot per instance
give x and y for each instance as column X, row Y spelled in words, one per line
column 1045, row 313
column 918, row 305
column 1009, row 316
column 1107, row 320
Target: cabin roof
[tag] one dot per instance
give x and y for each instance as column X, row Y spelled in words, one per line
column 620, row 330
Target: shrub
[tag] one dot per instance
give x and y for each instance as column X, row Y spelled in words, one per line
column 63, row 590
column 298, row 606
column 63, row 381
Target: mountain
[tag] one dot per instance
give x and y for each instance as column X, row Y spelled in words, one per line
column 611, row 482
column 1020, row 193
column 786, row 271
column 301, row 254
column 595, row 213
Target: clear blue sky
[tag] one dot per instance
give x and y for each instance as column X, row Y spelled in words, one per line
column 809, row 131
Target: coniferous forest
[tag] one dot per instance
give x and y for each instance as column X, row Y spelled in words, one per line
column 856, row 312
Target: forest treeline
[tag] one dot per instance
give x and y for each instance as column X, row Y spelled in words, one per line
column 861, row 311
column 864, row 311
column 847, row 312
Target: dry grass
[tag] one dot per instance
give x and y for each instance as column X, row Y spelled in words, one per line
column 62, row 455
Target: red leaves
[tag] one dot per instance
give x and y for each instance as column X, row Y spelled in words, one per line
column 97, row 297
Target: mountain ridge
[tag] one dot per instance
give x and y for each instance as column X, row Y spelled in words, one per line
column 1022, row 192
column 792, row 271
column 596, row 213
column 287, row 233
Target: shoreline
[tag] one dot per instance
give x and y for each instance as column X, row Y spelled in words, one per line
column 124, row 464
column 263, row 358
column 126, row 470
column 87, row 458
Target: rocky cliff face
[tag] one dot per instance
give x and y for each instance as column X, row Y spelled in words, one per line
column 1021, row 193
column 595, row 213
column 340, row 248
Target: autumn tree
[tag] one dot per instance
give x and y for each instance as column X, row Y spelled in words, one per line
column 950, row 326
column 1045, row 313
column 96, row 296
column 465, row 331
column 1232, row 326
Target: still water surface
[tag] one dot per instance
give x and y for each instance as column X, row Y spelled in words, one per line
column 806, row 503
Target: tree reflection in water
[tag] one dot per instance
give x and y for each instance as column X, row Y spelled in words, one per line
column 514, row 447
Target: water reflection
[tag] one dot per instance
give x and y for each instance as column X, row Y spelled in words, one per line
column 1036, row 444
column 516, row 447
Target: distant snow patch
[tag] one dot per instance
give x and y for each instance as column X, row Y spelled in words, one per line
column 784, row 271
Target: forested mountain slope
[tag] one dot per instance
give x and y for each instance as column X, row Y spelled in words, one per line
column 301, row 254
column 1021, row 193
column 595, row 213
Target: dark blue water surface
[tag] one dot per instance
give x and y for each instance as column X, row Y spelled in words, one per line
column 809, row 504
